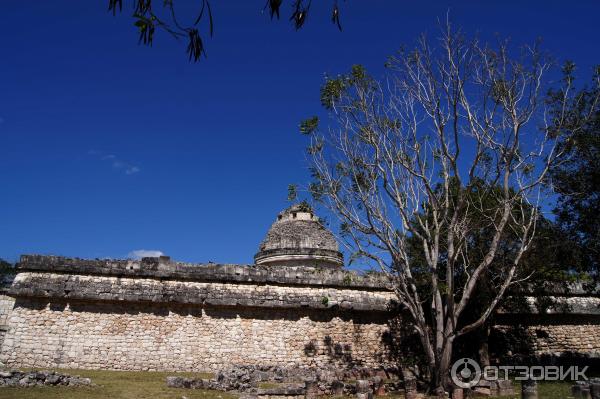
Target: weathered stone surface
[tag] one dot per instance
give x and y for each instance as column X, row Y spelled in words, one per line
column 298, row 238
column 283, row 390
column 363, row 386
column 130, row 336
column 337, row 388
column 164, row 268
column 286, row 382
column 156, row 314
column 39, row 378
column 586, row 389
column 529, row 389
column 588, row 304
column 553, row 336
column 190, row 383
column 110, row 288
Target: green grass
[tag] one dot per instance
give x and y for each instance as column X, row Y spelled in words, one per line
column 151, row 385
column 117, row 385
column 546, row 390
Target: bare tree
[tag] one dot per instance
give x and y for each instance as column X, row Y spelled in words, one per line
column 413, row 158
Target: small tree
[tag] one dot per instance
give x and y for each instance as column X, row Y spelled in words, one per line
column 455, row 141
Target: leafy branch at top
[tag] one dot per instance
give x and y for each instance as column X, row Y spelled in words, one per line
column 147, row 20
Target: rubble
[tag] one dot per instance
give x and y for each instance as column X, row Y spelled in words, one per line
column 22, row 379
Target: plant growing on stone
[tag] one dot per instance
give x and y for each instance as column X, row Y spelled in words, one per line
column 455, row 141
column 348, row 279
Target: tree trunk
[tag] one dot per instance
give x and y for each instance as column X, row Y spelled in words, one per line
column 441, row 382
column 484, row 351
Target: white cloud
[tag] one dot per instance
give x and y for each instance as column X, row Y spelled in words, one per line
column 116, row 163
column 144, row 253
column 129, row 170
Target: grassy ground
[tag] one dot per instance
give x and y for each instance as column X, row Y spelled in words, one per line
column 116, row 385
column 547, row 390
column 151, row 385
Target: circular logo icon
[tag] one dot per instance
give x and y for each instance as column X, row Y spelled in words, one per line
column 465, row 373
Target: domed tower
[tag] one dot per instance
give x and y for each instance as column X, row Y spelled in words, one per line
column 297, row 238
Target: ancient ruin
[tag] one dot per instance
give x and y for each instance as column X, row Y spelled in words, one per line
column 296, row 307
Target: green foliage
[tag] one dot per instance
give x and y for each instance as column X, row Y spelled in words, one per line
column 332, row 91
column 381, row 176
column 347, row 279
column 502, row 91
column 304, row 206
column 292, row 192
column 334, row 88
column 345, row 228
column 577, row 179
column 310, row 125
column 316, row 191
column 358, row 73
column 316, row 146
column 549, row 260
column 6, row 268
column 148, row 19
column 325, row 301
column 146, row 28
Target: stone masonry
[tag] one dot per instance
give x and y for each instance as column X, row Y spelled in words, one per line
column 161, row 315
column 571, row 327
column 296, row 307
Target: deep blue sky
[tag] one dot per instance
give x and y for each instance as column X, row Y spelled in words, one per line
column 107, row 147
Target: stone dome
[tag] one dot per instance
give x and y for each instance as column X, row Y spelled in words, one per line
column 297, row 238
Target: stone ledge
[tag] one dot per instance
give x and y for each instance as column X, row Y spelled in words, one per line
column 110, row 288
column 164, row 268
column 326, row 253
column 560, row 305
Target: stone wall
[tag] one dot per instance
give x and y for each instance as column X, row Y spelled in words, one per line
column 128, row 336
column 6, row 306
column 156, row 314
column 551, row 337
column 569, row 328
column 141, row 289
column 164, row 269
column 563, row 339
